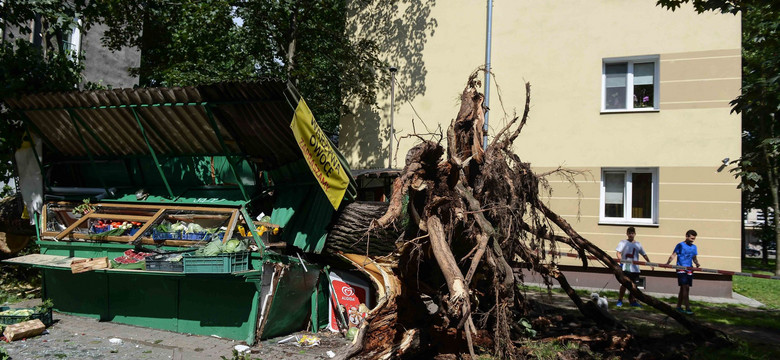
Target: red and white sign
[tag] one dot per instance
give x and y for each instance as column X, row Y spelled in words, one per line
column 350, row 291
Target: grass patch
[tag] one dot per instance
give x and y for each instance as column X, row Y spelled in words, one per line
column 764, row 290
column 742, row 351
column 735, row 316
column 543, row 350
column 756, row 264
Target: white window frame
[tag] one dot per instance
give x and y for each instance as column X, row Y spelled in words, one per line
column 627, row 200
column 75, row 41
column 655, row 59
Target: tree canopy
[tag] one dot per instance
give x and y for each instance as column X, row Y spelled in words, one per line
column 190, row 42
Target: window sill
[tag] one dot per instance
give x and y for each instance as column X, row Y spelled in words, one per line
column 627, row 222
column 629, row 111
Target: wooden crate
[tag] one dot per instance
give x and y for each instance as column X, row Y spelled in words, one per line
column 24, row 330
column 84, row 265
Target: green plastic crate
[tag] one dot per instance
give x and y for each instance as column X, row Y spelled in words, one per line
column 218, row 264
column 45, row 317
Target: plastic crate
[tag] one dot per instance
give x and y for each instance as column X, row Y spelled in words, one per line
column 158, row 235
column 161, row 263
column 45, row 317
column 218, row 264
column 178, row 235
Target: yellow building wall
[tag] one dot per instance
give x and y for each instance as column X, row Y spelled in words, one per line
column 559, row 46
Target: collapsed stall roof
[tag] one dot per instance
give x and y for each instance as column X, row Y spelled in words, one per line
column 232, row 118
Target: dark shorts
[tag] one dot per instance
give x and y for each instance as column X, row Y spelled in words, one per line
column 634, row 276
column 684, row 279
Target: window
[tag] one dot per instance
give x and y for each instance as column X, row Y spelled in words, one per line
column 629, row 196
column 630, row 84
column 71, row 42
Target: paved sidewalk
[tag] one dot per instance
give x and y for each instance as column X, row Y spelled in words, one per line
column 735, row 298
column 76, row 337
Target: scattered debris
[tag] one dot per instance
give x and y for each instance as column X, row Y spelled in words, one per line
column 242, row 348
column 24, row 330
column 115, row 341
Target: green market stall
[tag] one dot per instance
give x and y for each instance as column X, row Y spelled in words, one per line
column 150, row 172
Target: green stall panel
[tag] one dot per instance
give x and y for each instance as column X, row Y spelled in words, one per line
column 84, row 294
column 83, row 249
column 143, row 300
column 290, row 305
column 221, row 305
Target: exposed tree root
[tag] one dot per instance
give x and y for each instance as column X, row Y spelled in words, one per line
column 484, row 208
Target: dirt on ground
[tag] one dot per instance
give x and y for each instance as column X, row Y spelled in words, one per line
column 653, row 336
column 75, row 337
column 650, row 334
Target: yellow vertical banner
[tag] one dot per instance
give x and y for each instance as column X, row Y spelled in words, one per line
column 319, row 154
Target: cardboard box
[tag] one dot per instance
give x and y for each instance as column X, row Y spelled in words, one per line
column 24, row 330
column 84, row 265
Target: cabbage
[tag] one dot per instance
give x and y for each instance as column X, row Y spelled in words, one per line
column 213, row 248
column 231, row 246
column 194, row 228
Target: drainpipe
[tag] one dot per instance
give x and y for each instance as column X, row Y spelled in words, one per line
column 393, row 70
column 487, row 70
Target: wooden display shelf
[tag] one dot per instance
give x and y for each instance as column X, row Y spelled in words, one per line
column 112, row 211
column 121, row 239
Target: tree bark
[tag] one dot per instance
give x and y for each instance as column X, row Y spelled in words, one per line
column 449, row 267
column 773, row 189
column 350, row 232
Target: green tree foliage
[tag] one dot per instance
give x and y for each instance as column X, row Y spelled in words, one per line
column 188, row 42
column 193, row 42
column 181, row 42
column 27, row 67
column 759, row 101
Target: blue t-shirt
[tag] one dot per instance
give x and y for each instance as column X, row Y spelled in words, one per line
column 685, row 254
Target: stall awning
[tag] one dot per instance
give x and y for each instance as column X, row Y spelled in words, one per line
column 232, row 118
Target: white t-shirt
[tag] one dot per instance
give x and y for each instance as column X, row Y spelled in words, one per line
column 630, row 250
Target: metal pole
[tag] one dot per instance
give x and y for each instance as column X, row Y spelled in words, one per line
column 487, row 71
column 393, row 70
column 154, row 155
column 218, row 134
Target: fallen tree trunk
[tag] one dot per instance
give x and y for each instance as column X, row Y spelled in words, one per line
column 349, row 232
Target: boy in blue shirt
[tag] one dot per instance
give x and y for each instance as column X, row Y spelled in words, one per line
column 686, row 256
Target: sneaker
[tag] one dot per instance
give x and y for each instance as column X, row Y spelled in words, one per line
column 636, row 304
column 688, row 312
column 680, row 310
column 619, row 303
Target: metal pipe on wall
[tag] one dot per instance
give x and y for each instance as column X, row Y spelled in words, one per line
column 487, row 71
column 393, row 70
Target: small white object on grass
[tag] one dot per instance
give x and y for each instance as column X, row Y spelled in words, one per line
column 600, row 301
column 115, row 341
column 241, row 349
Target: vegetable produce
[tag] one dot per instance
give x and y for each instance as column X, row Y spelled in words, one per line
column 213, row 248
column 132, row 257
column 18, row 312
column 216, row 247
column 231, row 245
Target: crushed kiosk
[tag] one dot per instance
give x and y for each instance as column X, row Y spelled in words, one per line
column 157, row 197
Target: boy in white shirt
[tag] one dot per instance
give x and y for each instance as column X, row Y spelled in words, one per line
column 630, row 249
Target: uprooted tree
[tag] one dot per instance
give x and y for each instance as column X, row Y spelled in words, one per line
column 473, row 216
